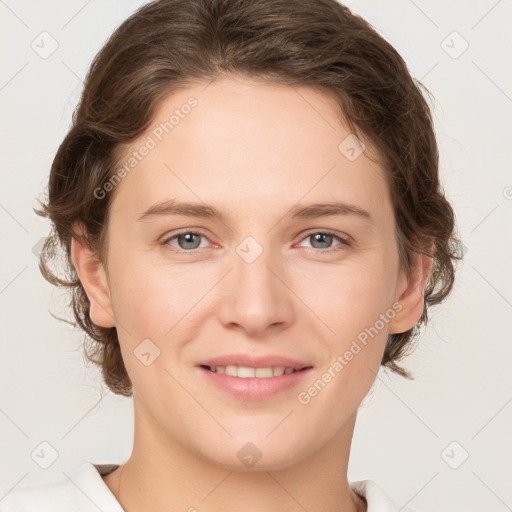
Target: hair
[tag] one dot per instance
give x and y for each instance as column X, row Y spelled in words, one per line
column 169, row 44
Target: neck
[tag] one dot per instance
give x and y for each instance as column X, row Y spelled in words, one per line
column 176, row 478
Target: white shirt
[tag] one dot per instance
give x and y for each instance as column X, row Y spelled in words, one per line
column 87, row 492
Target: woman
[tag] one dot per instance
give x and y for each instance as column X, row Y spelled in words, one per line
column 250, row 205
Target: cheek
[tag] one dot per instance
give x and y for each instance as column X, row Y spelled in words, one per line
column 356, row 336
column 347, row 298
column 351, row 304
column 144, row 287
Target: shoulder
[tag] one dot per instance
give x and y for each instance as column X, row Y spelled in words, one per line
column 377, row 500
column 83, row 491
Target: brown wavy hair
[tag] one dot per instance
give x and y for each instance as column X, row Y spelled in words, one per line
column 168, row 44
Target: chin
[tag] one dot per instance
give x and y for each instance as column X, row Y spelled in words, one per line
column 253, row 453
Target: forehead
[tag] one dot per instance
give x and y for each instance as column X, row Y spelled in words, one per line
column 248, row 146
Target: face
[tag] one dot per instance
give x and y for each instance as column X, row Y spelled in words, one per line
column 263, row 280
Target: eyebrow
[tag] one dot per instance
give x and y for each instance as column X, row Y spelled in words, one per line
column 201, row 210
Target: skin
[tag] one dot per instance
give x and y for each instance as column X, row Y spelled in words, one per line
column 254, row 151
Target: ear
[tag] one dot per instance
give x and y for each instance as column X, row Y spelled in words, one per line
column 93, row 277
column 410, row 293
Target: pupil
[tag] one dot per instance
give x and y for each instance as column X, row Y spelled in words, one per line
column 323, row 235
column 189, row 244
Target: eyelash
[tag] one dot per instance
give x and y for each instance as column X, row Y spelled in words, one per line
column 343, row 242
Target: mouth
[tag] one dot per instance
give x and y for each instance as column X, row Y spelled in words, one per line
column 247, row 372
column 249, row 383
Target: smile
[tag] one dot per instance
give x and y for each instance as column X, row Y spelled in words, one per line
column 253, row 383
column 245, row 372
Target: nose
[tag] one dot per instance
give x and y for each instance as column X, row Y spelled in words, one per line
column 256, row 297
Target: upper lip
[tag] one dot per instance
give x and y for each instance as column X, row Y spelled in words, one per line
column 255, row 361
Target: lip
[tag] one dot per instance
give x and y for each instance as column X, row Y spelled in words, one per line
column 255, row 388
column 255, row 361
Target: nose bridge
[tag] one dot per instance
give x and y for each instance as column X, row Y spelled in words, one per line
column 256, row 297
column 253, row 262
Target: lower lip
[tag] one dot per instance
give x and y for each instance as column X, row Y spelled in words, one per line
column 255, row 388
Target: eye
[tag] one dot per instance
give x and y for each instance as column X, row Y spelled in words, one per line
column 190, row 241
column 187, row 240
column 323, row 239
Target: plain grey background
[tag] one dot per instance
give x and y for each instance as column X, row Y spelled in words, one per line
column 438, row 443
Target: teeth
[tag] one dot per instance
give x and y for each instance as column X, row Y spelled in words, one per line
column 261, row 372
column 245, row 372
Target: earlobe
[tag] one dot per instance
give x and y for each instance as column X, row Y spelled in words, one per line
column 92, row 275
column 411, row 293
